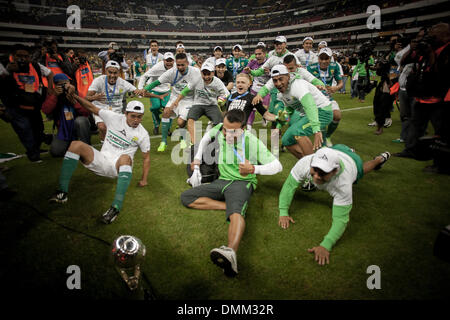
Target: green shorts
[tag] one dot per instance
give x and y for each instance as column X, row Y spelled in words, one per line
column 299, row 126
column 158, row 103
column 358, row 161
column 236, row 194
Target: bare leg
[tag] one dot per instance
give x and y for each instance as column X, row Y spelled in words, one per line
column 191, row 129
column 235, row 230
column 83, row 150
column 205, row 203
column 296, row 150
column 371, row 164
column 306, row 145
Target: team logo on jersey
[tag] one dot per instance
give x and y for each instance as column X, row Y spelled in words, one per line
column 135, row 139
column 120, row 90
column 332, row 71
column 123, row 132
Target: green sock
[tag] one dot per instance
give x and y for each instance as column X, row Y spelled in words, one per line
column 165, row 126
column 69, row 165
column 331, row 128
column 155, row 117
column 123, row 181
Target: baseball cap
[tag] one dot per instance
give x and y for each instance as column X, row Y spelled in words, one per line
column 60, row 77
column 280, row 39
column 113, row 64
column 168, row 55
column 308, row 38
column 221, row 61
column 323, row 43
column 325, row 159
column 208, row 66
column 180, row 46
column 278, row 70
column 261, row 44
column 327, row 51
column 218, row 48
column 237, row 46
column 135, row 106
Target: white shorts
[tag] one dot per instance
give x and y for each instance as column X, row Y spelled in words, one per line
column 104, row 164
column 334, row 105
column 182, row 110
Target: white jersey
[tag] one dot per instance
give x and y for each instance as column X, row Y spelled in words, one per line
column 340, row 186
column 306, row 58
column 302, row 72
column 113, row 94
column 120, row 137
column 153, row 60
column 297, row 89
column 208, row 94
column 153, row 74
column 179, row 81
column 274, row 60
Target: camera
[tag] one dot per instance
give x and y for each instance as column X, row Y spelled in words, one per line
column 383, row 68
column 365, row 51
column 82, row 60
column 118, row 54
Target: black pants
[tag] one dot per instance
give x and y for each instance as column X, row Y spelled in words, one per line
column 382, row 104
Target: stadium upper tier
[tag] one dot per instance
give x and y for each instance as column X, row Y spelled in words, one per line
column 340, row 23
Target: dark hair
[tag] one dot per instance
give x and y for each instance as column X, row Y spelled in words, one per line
column 235, row 115
column 18, row 47
column 154, row 41
column 180, row 56
column 288, row 58
column 178, row 42
column 261, row 48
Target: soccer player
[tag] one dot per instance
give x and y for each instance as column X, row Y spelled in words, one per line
column 178, row 78
column 306, row 56
column 107, row 92
column 153, row 57
column 328, row 71
column 335, row 170
column 179, row 48
column 236, row 63
column 125, row 134
column 322, row 44
column 314, row 112
column 223, row 74
column 206, row 92
column 162, row 91
column 217, row 54
column 241, row 157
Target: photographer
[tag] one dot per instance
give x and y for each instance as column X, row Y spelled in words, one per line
column 113, row 53
column 382, row 101
column 83, row 73
column 429, row 84
column 56, row 62
column 365, row 61
column 69, row 117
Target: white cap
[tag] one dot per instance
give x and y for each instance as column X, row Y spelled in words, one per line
column 221, row 61
column 112, row 64
column 135, row 106
column 308, row 38
column 168, row 55
column 238, row 46
column 261, row 44
column 111, row 44
column 278, row 70
column 180, row 46
column 208, row 66
column 326, row 50
column 323, row 43
column 280, row 39
column 325, row 159
column 218, row 47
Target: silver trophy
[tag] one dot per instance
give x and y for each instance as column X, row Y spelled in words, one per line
column 128, row 253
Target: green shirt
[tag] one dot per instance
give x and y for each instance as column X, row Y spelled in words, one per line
column 136, row 69
column 327, row 76
column 255, row 151
column 361, row 67
column 236, row 66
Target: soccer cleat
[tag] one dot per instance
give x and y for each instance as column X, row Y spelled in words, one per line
column 385, row 155
column 398, row 140
column 183, row 144
column 110, row 215
column 308, row 186
column 162, row 147
column 372, row 124
column 225, row 258
column 328, row 142
column 58, row 197
column 387, row 122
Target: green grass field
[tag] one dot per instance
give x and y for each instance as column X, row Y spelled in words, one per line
column 397, row 214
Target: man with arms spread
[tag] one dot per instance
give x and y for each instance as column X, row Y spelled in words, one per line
column 238, row 158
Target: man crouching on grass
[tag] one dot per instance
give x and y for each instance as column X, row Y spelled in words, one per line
column 335, row 170
column 238, row 158
column 123, row 137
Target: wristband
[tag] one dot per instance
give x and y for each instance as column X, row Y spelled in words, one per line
column 253, row 171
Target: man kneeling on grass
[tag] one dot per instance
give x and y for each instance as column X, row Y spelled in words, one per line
column 123, row 137
column 335, row 170
column 238, row 156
